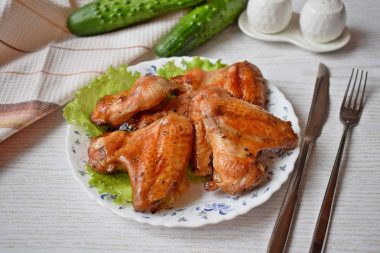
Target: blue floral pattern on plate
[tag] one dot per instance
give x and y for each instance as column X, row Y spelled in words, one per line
column 196, row 207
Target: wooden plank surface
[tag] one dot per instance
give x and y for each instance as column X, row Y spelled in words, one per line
column 43, row 208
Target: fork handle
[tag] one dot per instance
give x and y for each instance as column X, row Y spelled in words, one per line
column 323, row 223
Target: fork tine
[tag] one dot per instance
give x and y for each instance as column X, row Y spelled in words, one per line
column 358, row 91
column 353, row 89
column 348, row 87
column 362, row 98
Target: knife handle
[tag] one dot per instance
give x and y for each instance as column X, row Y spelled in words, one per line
column 280, row 233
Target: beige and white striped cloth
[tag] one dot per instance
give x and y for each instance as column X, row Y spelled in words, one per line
column 42, row 64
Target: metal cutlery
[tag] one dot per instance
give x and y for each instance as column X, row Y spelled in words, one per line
column 350, row 113
column 315, row 122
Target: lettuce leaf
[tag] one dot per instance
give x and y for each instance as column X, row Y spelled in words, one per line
column 79, row 110
column 170, row 69
column 118, row 185
column 196, row 179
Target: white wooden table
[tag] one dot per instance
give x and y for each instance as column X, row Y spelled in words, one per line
column 43, row 208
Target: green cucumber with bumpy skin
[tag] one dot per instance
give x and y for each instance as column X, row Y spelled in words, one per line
column 103, row 16
column 199, row 25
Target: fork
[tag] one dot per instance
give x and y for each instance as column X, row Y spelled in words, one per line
column 350, row 113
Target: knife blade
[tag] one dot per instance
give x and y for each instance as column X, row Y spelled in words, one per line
column 315, row 122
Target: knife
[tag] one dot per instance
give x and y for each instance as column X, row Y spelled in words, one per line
column 317, row 116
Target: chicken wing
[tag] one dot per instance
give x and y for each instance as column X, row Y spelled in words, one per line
column 216, row 122
column 242, row 80
column 188, row 106
column 146, row 92
column 237, row 132
column 156, row 158
column 201, row 159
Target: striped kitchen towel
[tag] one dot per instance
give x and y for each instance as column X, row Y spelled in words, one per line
column 42, row 65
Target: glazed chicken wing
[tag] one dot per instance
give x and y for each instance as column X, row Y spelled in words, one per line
column 201, row 159
column 188, row 106
column 242, row 80
column 237, row 132
column 216, row 123
column 146, row 92
column 156, row 158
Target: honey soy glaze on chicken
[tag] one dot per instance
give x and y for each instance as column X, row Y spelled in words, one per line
column 156, row 158
column 237, row 132
column 186, row 105
column 146, row 92
column 242, row 80
column 229, row 133
column 216, row 119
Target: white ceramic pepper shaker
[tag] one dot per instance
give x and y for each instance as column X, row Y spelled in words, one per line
column 269, row 16
column 323, row 20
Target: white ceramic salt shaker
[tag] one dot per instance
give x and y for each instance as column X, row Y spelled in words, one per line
column 269, row 16
column 323, row 20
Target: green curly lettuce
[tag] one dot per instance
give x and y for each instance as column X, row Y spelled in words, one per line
column 78, row 111
column 170, row 69
column 118, row 185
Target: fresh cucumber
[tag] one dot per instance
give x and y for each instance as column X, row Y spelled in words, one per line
column 103, row 16
column 199, row 25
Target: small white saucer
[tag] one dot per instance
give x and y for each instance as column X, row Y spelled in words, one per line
column 292, row 34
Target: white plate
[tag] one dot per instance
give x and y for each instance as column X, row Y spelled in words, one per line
column 292, row 34
column 196, row 207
